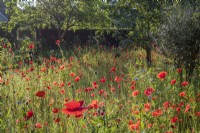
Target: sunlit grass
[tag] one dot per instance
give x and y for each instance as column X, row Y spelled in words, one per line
column 116, row 78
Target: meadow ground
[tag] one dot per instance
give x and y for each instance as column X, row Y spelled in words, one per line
column 93, row 90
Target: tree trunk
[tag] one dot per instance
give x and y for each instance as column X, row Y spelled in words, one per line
column 148, row 56
column 59, row 34
column 148, row 47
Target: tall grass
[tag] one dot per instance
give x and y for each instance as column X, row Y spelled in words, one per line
column 116, row 78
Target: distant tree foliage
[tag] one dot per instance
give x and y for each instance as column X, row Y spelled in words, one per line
column 61, row 15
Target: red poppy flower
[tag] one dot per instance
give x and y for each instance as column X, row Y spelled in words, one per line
column 92, row 95
column 62, row 67
column 118, row 85
column 54, row 83
column 55, row 110
column 66, row 99
column 62, row 84
column 101, row 92
column 31, row 69
column 29, row 114
column 71, row 58
column 184, row 83
column 117, row 79
column 72, row 74
column 69, row 83
column 166, row 105
column 112, row 89
column 132, row 87
column 133, row 82
column 197, row 114
column 113, row 69
column 135, row 93
column 31, row 46
column 58, row 61
column 130, row 122
column 179, row 70
column 157, row 112
column 181, row 104
column 57, row 42
column 53, row 58
column 148, row 91
column 74, row 108
column 57, row 120
column 149, row 125
column 178, row 109
column 48, row 87
column 133, row 127
column 147, row 107
column 174, row 119
column 103, row 80
column 182, row 94
column 46, row 123
column 187, row 108
column 162, row 75
column 43, row 69
column 77, row 79
column 62, row 91
column 94, row 85
column 40, row 93
column 94, row 104
column 38, row 125
column 17, row 121
column 173, row 81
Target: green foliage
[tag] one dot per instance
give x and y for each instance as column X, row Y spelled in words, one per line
column 62, row 16
column 123, row 14
column 5, row 51
column 21, row 54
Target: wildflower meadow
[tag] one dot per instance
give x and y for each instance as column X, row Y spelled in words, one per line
column 99, row 66
column 90, row 90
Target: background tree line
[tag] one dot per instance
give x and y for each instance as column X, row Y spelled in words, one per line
column 170, row 25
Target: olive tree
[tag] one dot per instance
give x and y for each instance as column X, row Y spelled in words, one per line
column 180, row 36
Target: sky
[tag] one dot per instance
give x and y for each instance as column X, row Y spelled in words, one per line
column 21, row 3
